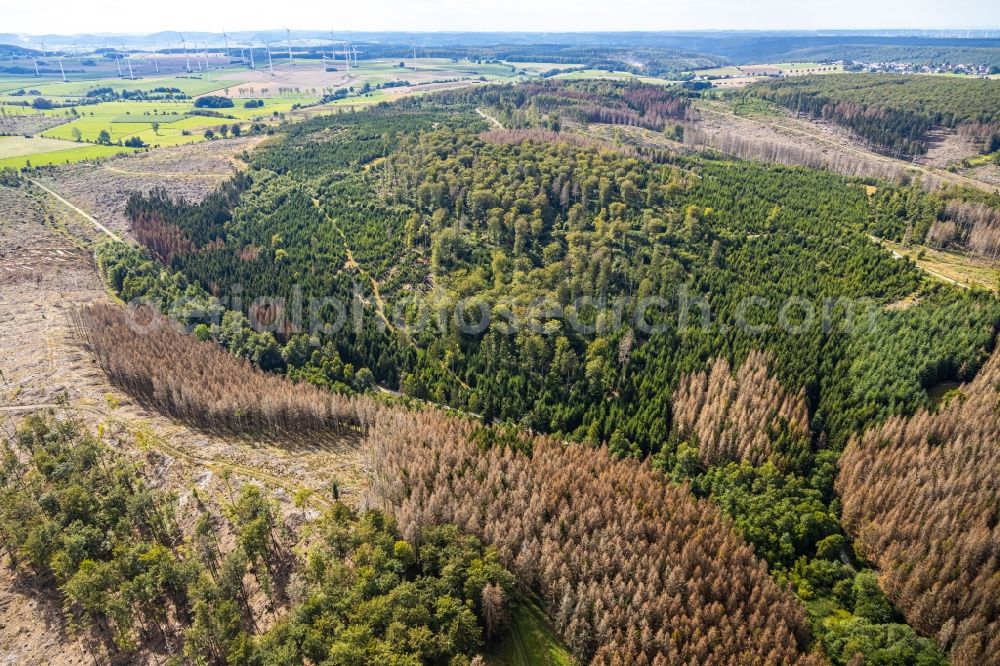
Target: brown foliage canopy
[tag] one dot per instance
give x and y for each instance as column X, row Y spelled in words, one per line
column 164, row 240
column 156, row 362
column 732, row 416
column 922, row 497
column 633, row 569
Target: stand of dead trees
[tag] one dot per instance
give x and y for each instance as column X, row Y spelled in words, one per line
column 731, row 417
column 920, row 494
column 973, row 226
column 152, row 359
column 751, row 148
column 632, row 569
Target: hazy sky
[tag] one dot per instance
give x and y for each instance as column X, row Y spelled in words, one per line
column 72, row 16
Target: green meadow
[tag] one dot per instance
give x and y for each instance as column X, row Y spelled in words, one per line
column 74, row 153
column 177, row 121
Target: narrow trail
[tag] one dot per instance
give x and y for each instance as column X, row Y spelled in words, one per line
column 929, row 271
column 83, row 213
column 376, row 294
column 490, row 118
column 353, row 264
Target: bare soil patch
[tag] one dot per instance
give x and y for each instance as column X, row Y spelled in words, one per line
column 945, row 147
column 46, row 271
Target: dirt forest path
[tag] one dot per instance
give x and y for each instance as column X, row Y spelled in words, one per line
column 380, row 307
column 112, row 235
column 489, row 118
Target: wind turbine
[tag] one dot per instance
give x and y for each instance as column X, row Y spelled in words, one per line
column 128, row 60
column 252, row 66
column 196, row 58
column 243, row 56
column 414, row 56
column 187, row 60
column 288, row 34
column 270, row 65
column 225, row 38
column 35, row 59
column 61, row 70
column 333, row 48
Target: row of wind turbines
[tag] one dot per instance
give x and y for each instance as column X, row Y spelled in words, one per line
column 342, row 48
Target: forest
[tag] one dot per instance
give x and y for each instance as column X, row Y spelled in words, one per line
column 920, row 494
column 893, row 112
column 75, row 512
column 732, row 324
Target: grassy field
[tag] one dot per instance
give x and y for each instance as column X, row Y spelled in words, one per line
column 719, row 71
column 294, row 84
column 190, row 85
column 949, row 265
column 124, row 120
column 786, row 67
column 81, row 151
column 16, row 146
column 531, row 641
